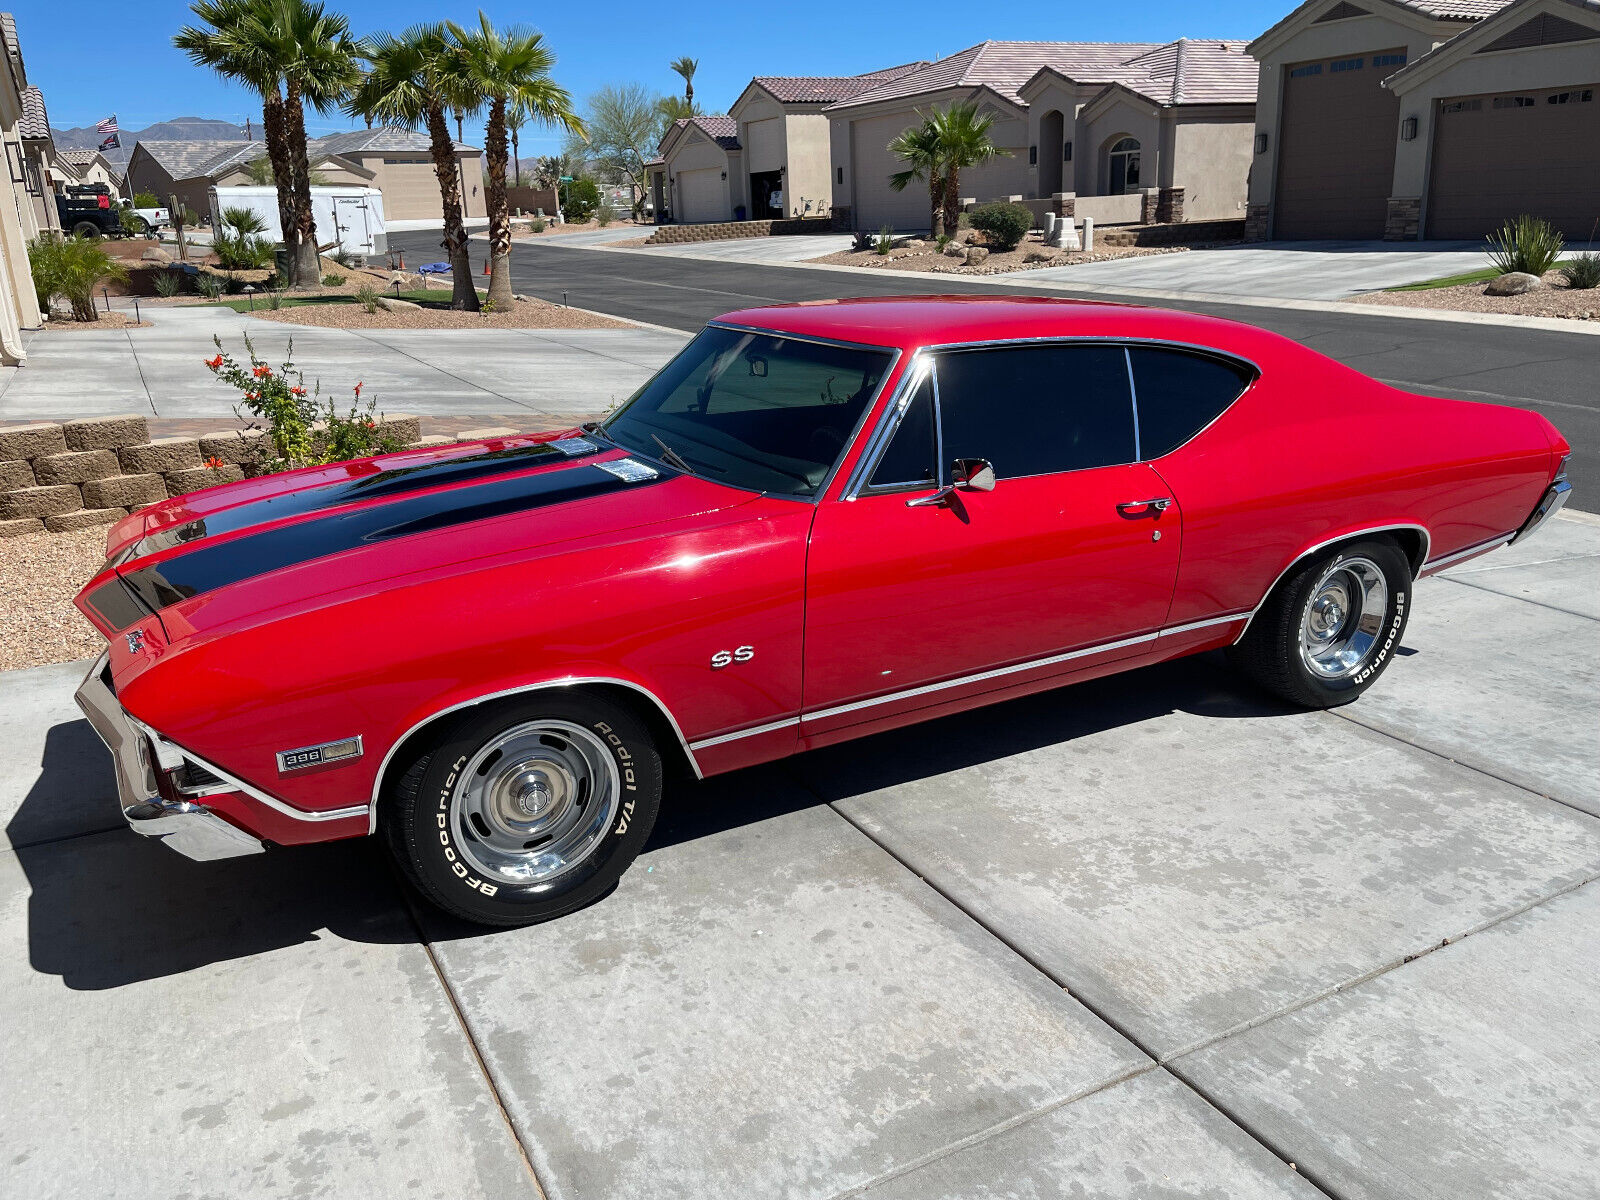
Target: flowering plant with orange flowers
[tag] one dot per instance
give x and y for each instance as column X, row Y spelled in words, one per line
column 305, row 428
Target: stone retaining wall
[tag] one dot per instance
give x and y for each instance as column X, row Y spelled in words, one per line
column 1171, row 235
column 60, row 477
column 723, row 231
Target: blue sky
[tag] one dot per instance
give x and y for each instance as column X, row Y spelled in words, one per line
column 95, row 59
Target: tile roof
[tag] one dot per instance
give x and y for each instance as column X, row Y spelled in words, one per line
column 190, row 160
column 1004, row 67
column 395, row 138
column 814, row 89
column 77, row 158
column 1192, row 72
column 724, row 131
column 8, row 34
column 1445, row 46
column 34, row 122
column 1458, row 10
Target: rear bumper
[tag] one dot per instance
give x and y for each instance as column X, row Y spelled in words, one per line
column 1554, row 498
column 191, row 829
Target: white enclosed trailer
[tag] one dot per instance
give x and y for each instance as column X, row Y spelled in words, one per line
column 348, row 219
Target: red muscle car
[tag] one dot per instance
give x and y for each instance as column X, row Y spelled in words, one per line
column 818, row 521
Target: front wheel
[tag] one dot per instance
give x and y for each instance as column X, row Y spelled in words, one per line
column 1331, row 627
column 527, row 811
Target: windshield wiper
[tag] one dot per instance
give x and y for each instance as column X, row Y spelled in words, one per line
column 671, row 457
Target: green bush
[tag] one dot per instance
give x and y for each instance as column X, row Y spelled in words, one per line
column 1003, row 225
column 241, row 251
column 1525, row 243
column 146, row 200
column 538, row 225
column 71, row 268
column 583, row 197
column 1582, row 272
column 131, row 222
column 168, row 283
column 606, row 213
column 884, row 242
column 367, row 297
column 332, row 280
column 208, row 285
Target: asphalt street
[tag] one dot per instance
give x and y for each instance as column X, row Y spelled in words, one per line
column 1550, row 372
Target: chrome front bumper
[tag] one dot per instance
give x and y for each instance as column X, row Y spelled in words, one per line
column 1550, row 504
column 190, row 829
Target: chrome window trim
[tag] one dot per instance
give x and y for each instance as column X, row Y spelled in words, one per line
column 895, row 354
column 544, row 685
column 1427, row 542
column 1133, row 398
column 917, row 368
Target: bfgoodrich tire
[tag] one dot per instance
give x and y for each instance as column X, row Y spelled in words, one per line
column 527, row 811
column 1331, row 627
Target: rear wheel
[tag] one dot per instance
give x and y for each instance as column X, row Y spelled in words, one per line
column 528, row 811
column 1331, row 627
column 86, row 229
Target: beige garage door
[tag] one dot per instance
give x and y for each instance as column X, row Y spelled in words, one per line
column 1521, row 152
column 410, row 190
column 1336, row 147
column 877, row 203
column 702, row 197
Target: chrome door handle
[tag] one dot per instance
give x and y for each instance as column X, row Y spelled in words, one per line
column 1160, row 504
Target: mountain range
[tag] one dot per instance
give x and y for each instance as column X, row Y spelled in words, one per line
column 84, row 137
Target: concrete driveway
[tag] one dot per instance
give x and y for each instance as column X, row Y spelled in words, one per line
column 159, row 371
column 1282, row 270
column 1153, row 935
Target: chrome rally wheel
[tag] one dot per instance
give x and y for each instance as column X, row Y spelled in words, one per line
column 526, row 810
column 535, row 801
column 1331, row 626
column 1344, row 618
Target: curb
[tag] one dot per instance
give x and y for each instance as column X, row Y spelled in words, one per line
column 1578, row 517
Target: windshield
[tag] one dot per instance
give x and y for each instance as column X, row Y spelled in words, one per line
column 753, row 410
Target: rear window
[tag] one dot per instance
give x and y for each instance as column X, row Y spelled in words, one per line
column 1179, row 393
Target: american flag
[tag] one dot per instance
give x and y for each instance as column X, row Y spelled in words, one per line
column 108, row 131
column 109, row 125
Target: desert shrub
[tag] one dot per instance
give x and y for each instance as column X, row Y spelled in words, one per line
column 146, row 200
column 343, row 257
column 605, row 214
column 71, row 269
column 583, row 197
column 538, row 225
column 168, row 283
column 884, row 242
column 131, row 222
column 1582, row 271
column 333, row 280
column 1003, row 224
column 274, row 300
column 1525, row 243
column 943, row 240
column 279, row 398
column 367, row 297
column 208, row 285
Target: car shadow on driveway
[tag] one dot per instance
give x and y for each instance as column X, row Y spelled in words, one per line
column 109, row 908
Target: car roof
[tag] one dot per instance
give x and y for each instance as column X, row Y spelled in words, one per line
column 910, row 322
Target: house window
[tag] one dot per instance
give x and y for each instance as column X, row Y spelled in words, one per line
column 840, row 175
column 1388, row 60
column 1066, row 152
column 1572, row 97
column 1456, row 106
column 1347, row 64
column 1123, row 165
column 1514, row 102
column 1308, row 69
column 1033, row 156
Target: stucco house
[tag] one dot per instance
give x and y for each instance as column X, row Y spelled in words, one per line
column 1427, row 118
column 84, row 167
column 21, row 195
column 396, row 161
column 1125, row 132
column 772, row 145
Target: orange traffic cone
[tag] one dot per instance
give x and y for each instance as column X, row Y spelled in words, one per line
column 486, row 266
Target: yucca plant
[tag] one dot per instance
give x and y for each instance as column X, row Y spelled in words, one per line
column 168, row 283
column 71, row 269
column 1583, row 271
column 884, row 242
column 1524, row 243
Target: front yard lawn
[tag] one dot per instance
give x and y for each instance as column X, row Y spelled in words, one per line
column 431, row 297
column 1482, row 275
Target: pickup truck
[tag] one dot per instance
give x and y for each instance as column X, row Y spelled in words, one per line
column 89, row 210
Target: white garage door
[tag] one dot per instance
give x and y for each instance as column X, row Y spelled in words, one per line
column 877, row 203
column 702, row 197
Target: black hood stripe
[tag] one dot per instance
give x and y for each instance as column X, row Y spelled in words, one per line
column 217, row 564
column 388, row 481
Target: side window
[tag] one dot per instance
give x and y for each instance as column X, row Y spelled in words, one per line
column 909, row 456
column 1037, row 410
column 1179, row 393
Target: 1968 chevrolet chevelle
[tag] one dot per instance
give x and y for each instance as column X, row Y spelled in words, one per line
column 818, row 521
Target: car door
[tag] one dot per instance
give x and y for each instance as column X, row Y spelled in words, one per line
column 1070, row 559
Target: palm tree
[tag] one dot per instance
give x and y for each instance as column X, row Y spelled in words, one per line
column 516, row 118
column 964, row 141
column 411, row 80
column 318, row 59
column 225, row 46
column 508, row 69
column 918, row 147
column 686, row 67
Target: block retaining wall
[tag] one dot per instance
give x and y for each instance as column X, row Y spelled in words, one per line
column 722, row 231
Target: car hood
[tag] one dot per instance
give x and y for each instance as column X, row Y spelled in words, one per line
column 232, row 553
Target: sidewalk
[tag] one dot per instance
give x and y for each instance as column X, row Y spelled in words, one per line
column 1149, row 935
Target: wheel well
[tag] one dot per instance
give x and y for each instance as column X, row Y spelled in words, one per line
column 673, row 755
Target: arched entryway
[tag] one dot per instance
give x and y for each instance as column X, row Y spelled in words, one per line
column 1122, row 166
column 1052, row 139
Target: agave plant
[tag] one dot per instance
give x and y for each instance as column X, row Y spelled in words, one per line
column 1525, row 243
column 71, row 268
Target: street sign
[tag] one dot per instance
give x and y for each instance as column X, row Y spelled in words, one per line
column 566, row 179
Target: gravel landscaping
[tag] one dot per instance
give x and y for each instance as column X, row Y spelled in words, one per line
column 63, row 322
column 1030, row 256
column 524, row 314
column 1555, row 299
column 40, row 573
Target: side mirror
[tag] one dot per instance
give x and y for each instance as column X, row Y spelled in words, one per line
column 973, row 474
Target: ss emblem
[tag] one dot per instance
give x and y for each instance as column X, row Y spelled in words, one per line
column 723, row 658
